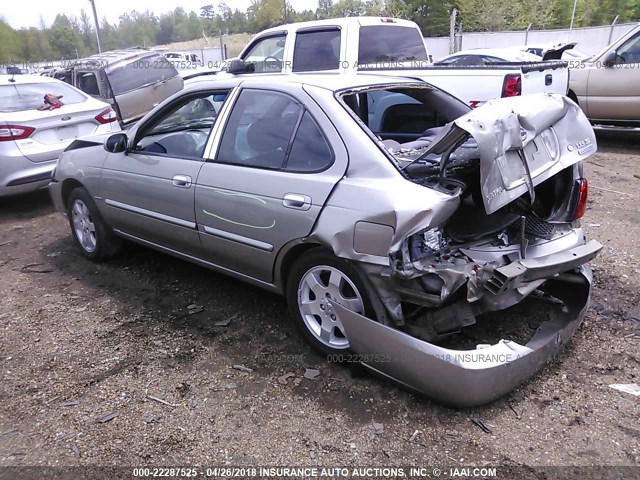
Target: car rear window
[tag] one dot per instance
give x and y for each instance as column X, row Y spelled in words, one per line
column 29, row 96
column 388, row 43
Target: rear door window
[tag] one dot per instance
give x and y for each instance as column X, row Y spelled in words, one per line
column 274, row 131
column 310, row 151
column 317, row 50
column 141, row 73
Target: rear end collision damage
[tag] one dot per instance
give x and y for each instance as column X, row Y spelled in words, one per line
column 513, row 172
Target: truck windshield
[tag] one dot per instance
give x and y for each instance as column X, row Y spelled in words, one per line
column 381, row 44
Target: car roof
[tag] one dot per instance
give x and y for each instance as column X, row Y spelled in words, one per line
column 338, row 22
column 329, row 81
column 24, row 78
column 111, row 58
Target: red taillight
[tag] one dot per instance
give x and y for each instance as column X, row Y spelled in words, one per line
column 14, row 132
column 512, row 85
column 583, row 193
column 107, row 116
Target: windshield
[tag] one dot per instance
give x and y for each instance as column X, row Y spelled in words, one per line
column 390, row 43
column 30, row 96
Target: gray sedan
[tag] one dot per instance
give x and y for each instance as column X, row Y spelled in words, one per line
column 389, row 214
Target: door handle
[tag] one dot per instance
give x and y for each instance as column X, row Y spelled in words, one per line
column 548, row 79
column 181, row 181
column 296, row 200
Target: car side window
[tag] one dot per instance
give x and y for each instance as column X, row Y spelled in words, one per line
column 259, row 129
column 182, row 129
column 141, row 73
column 629, row 52
column 317, row 50
column 266, row 54
column 88, row 83
column 274, row 131
column 310, row 151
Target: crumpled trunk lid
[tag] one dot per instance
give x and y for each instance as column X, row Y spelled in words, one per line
column 522, row 141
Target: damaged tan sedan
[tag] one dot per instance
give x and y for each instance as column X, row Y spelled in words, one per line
column 391, row 216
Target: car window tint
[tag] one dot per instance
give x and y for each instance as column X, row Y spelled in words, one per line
column 259, row 129
column 88, row 83
column 318, row 50
column 266, row 54
column 29, row 96
column 183, row 128
column 310, row 151
column 630, row 51
column 488, row 59
column 140, row 73
column 385, row 43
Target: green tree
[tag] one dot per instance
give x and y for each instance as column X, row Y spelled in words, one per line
column 64, row 38
column 265, row 14
column 349, row 8
column 87, row 33
column 325, row 9
column 7, row 43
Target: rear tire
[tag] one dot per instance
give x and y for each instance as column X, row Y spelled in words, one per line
column 315, row 278
column 92, row 235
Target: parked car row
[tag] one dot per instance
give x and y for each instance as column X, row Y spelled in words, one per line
column 605, row 85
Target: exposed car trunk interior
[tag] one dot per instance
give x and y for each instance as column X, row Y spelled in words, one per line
column 445, row 275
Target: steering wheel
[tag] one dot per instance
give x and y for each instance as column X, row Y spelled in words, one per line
column 271, row 57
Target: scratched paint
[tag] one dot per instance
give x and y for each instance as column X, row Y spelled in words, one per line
column 261, row 202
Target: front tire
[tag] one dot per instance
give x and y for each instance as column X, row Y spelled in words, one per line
column 314, row 279
column 90, row 232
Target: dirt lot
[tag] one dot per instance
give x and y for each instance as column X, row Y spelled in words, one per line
column 80, row 341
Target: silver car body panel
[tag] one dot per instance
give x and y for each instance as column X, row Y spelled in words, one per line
column 465, row 378
column 508, row 133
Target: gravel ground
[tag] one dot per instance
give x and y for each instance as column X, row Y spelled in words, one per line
column 81, row 343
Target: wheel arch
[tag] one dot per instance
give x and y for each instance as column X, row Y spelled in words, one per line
column 289, row 258
column 68, row 185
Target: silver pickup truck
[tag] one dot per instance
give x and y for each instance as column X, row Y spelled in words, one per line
column 394, row 47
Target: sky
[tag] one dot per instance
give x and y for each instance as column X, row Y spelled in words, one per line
column 27, row 14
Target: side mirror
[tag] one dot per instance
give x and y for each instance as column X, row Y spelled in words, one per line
column 609, row 59
column 116, row 143
column 236, row 66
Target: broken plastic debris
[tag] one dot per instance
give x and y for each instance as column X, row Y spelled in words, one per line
column 107, row 418
column 242, row 368
column 487, row 428
column 284, row 379
column 631, row 388
column 311, row 373
column 378, row 428
column 193, row 309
